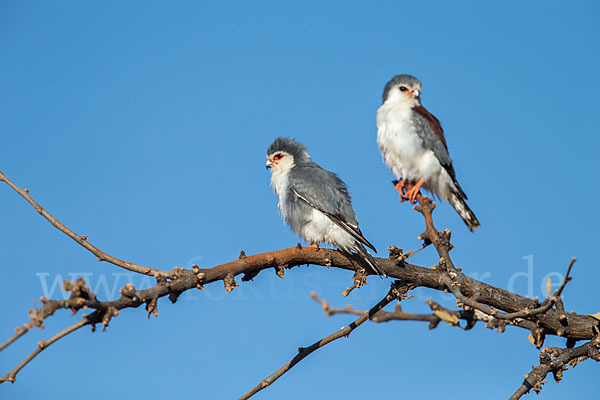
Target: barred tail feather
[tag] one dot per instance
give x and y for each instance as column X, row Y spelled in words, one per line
column 368, row 258
column 461, row 207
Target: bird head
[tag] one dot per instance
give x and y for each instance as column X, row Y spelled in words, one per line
column 403, row 89
column 284, row 153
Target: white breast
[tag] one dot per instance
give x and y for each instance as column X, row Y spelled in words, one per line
column 399, row 143
column 279, row 183
column 403, row 151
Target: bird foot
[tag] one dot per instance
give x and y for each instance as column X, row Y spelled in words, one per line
column 314, row 246
column 411, row 194
column 400, row 186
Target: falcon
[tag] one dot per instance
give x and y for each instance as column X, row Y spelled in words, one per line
column 314, row 202
column 412, row 143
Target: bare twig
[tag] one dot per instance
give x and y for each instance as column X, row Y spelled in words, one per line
column 396, row 292
column 440, row 313
column 524, row 313
column 37, row 318
column 451, row 317
column 358, row 280
column 10, row 377
column 556, row 360
column 81, row 239
column 440, row 240
column 567, row 278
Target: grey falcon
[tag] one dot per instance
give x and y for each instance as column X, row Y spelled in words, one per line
column 315, row 202
column 413, row 146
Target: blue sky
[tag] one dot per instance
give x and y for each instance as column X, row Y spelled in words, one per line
column 144, row 125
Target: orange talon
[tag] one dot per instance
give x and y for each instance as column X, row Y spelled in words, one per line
column 314, row 246
column 412, row 193
column 400, row 186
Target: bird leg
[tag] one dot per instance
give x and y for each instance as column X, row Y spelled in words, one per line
column 411, row 194
column 314, row 246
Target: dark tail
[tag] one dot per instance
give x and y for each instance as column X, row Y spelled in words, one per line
column 368, row 258
column 461, row 207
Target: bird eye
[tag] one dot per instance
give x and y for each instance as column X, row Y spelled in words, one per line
column 403, row 88
column 278, row 156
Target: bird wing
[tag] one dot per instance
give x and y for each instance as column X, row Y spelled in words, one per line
column 324, row 191
column 429, row 128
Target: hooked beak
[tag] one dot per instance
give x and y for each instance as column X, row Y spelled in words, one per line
column 269, row 164
column 416, row 93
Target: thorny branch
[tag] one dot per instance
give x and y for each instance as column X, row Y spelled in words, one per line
column 479, row 301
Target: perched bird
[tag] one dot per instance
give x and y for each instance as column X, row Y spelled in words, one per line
column 315, row 202
column 413, row 146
